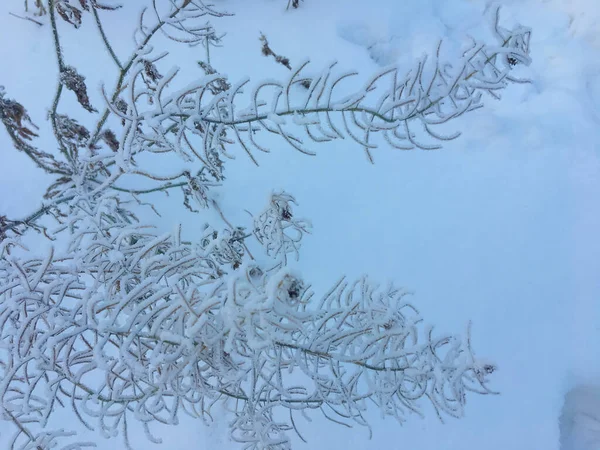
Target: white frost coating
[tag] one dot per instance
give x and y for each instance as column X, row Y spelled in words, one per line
column 182, row 323
column 304, row 119
column 273, row 117
column 115, row 256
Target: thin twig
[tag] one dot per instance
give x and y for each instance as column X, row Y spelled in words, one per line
column 59, row 88
column 218, row 208
column 27, row 18
column 105, row 39
column 123, row 72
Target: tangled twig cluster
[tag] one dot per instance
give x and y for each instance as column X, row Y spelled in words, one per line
column 171, row 329
column 129, row 323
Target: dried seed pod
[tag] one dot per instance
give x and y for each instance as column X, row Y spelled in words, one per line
column 111, row 140
column 69, row 13
column 75, row 82
column 151, row 71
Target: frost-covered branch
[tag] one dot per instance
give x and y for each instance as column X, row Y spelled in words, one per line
column 134, row 324
column 401, row 109
column 174, row 18
column 129, row 323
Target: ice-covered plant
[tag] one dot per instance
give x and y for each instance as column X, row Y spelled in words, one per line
column 128, row 323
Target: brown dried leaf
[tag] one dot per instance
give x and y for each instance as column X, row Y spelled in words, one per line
column 121, row 105
column 75, row 82
column 217, row 86
column 57, row 187
column 72, row 134
column 111, row 140
column 69, row 13
column 14, row 117
column 151, row 70
column 267, row 51
column 19, row 127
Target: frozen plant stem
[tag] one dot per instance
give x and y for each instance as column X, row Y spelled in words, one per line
column 37, row 22
column 169, row 324
column 109, row 47
column 125, row 70
column 59, row 87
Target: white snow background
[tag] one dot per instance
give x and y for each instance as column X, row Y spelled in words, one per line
column 500, row 227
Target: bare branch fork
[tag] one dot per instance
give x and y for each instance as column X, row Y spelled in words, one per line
column 392, row 112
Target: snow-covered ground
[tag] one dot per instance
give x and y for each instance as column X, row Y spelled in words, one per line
column 579, row 420
column 500, row 227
